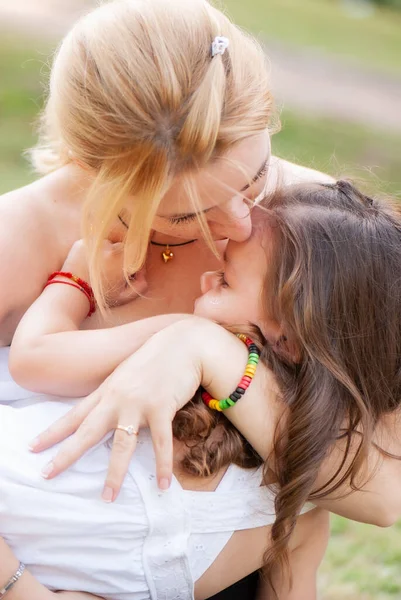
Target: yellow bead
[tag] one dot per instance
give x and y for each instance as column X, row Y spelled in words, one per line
column 214, row 405
column 249, row 370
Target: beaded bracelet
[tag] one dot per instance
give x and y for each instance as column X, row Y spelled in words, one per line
column 250, row 369
column 79, row 283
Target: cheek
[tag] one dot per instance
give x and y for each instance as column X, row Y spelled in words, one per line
column 211, row 305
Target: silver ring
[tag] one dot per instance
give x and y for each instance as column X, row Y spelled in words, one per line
column 130, row 429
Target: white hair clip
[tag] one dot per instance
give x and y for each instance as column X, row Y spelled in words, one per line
column 220, row 45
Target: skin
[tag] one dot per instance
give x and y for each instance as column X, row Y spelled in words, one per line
column 45, row 219
column 45, row 216
column 46, row 331
column 232, row 292
column 229, row 297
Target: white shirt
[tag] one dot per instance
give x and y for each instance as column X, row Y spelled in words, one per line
column 146, row 545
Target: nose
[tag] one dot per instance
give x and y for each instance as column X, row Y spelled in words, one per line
column 208, row 281
column 232, row 220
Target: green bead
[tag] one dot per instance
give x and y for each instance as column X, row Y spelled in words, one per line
column 253, row 355
column 252, row 361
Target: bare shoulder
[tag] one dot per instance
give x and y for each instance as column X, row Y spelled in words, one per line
column 25, row 254
column 21, row 223
column 283, row 172
column 311, row 526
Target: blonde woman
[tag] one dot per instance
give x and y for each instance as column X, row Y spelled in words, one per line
column 155, row 134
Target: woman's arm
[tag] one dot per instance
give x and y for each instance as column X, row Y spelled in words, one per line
column 27, row 587
column 256, row 415
column 153, row 384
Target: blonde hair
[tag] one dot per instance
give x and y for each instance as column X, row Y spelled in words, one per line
column 136, row 96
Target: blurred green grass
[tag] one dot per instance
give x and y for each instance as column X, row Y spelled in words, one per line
column 323, row 24
column 329, row 145
column 362, row 562
column 21, row 96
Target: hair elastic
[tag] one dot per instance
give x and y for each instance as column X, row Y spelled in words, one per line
column 250, row 369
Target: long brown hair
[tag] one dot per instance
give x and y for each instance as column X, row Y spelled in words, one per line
column 334, row 286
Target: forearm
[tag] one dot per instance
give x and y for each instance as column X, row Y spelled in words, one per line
column 259, row 411
column 51, row 359
column 27, row 586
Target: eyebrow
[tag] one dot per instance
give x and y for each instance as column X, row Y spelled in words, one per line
column 248, row 185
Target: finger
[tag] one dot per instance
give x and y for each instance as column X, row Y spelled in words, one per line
column 124, row 445
column 162, row 439
column 91, row 431
column 65, row 426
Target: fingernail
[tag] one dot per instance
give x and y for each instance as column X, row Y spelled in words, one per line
column 108, row 494
column 34, row 444
column 164, row 484
column 48, row 470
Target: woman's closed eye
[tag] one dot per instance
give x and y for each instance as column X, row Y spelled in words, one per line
column 182, row 220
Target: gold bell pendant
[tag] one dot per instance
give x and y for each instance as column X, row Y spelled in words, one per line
column 167, row 255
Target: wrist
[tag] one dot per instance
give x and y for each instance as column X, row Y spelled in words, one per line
column 220, row 355
column 8, row 562
column 222, row 358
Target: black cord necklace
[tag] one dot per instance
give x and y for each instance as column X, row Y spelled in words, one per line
column 167, row 254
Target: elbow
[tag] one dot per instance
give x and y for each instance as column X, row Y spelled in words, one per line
column 17, row 368
column 21, row 365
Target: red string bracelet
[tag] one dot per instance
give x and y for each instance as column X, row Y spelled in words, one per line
column 78, row 283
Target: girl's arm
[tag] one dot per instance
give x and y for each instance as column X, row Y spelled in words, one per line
column 50, row 354
column 150, row 386
column 27, row 587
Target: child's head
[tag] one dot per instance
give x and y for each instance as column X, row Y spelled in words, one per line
column 319, row 278
column 137, row 97
column 321, row 281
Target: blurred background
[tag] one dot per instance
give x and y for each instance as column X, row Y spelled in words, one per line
column 336, row 73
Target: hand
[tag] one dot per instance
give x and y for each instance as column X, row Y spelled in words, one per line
column 145, row 391
column 117, row 290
